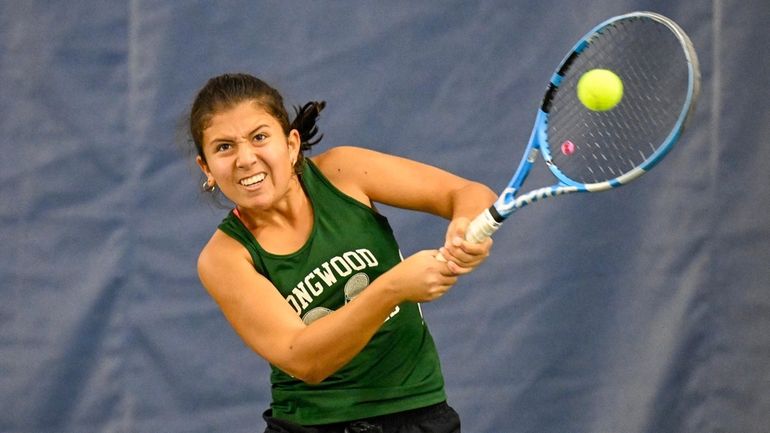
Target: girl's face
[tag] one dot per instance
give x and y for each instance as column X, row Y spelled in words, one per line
column 248, row 156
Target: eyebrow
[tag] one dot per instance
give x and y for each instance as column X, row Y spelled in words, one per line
column 218, row 140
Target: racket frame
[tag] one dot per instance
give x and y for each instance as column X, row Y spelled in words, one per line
column 486, row 223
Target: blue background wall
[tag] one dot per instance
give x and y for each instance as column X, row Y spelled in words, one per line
column 642, row 310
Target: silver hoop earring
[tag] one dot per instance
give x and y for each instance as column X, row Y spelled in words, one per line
column 208, row 188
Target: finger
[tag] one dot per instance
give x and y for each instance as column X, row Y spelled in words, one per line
column 440, row 290
column 474, row 248
column 461, row 257
column 458, row 269
column 440, row 255
column 446, row 277
column 449, row 269
column 470, row 251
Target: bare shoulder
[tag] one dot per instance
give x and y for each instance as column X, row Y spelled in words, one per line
column 365, row 168
column 344, row 161
column 222, row 255
column 221, row 247
column 347, row 167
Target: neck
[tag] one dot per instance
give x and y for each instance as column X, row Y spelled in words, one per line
column 284, row 227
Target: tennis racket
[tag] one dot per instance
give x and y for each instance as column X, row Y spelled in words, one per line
column 593, row 151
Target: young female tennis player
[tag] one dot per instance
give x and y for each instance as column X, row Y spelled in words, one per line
column 308, row 273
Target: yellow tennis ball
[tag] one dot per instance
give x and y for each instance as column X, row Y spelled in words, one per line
column 600, row 89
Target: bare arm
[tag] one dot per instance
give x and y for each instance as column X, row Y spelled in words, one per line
column 373, row 176
column 269, row 326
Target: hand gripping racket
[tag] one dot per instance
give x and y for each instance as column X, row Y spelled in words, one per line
column 592, row 151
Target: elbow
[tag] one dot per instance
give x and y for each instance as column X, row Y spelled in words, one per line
column 311, row 375
column 314, row 379
column 304, row 360
column 306, row 367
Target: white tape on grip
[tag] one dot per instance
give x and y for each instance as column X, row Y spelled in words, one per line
column 482, row 227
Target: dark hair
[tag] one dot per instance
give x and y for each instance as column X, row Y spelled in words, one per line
column 225, row 91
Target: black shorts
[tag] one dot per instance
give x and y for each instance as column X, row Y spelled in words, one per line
column 439, row 418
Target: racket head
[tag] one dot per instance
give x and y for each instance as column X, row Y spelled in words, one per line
column 658, row 66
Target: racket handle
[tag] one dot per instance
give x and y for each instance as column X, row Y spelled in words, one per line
column 482, row 227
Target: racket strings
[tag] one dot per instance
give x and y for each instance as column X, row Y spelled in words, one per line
column 652, row 64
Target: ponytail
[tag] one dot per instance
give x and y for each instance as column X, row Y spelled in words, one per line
column 304, row 122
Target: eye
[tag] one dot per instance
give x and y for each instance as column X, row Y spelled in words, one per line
column 259, row 137
column 221, row 147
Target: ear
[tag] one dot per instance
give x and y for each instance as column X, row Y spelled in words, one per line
column 294, row 141
column 204, row 167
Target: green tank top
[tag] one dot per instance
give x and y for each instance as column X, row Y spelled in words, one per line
column 350, row 246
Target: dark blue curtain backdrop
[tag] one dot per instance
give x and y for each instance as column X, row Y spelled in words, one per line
column 645, row 310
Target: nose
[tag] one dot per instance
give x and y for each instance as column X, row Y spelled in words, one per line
column 247, row 156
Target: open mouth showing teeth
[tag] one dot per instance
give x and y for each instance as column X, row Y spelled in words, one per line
column 253, row 180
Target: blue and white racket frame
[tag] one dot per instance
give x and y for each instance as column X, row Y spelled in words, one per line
column 486, row 223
